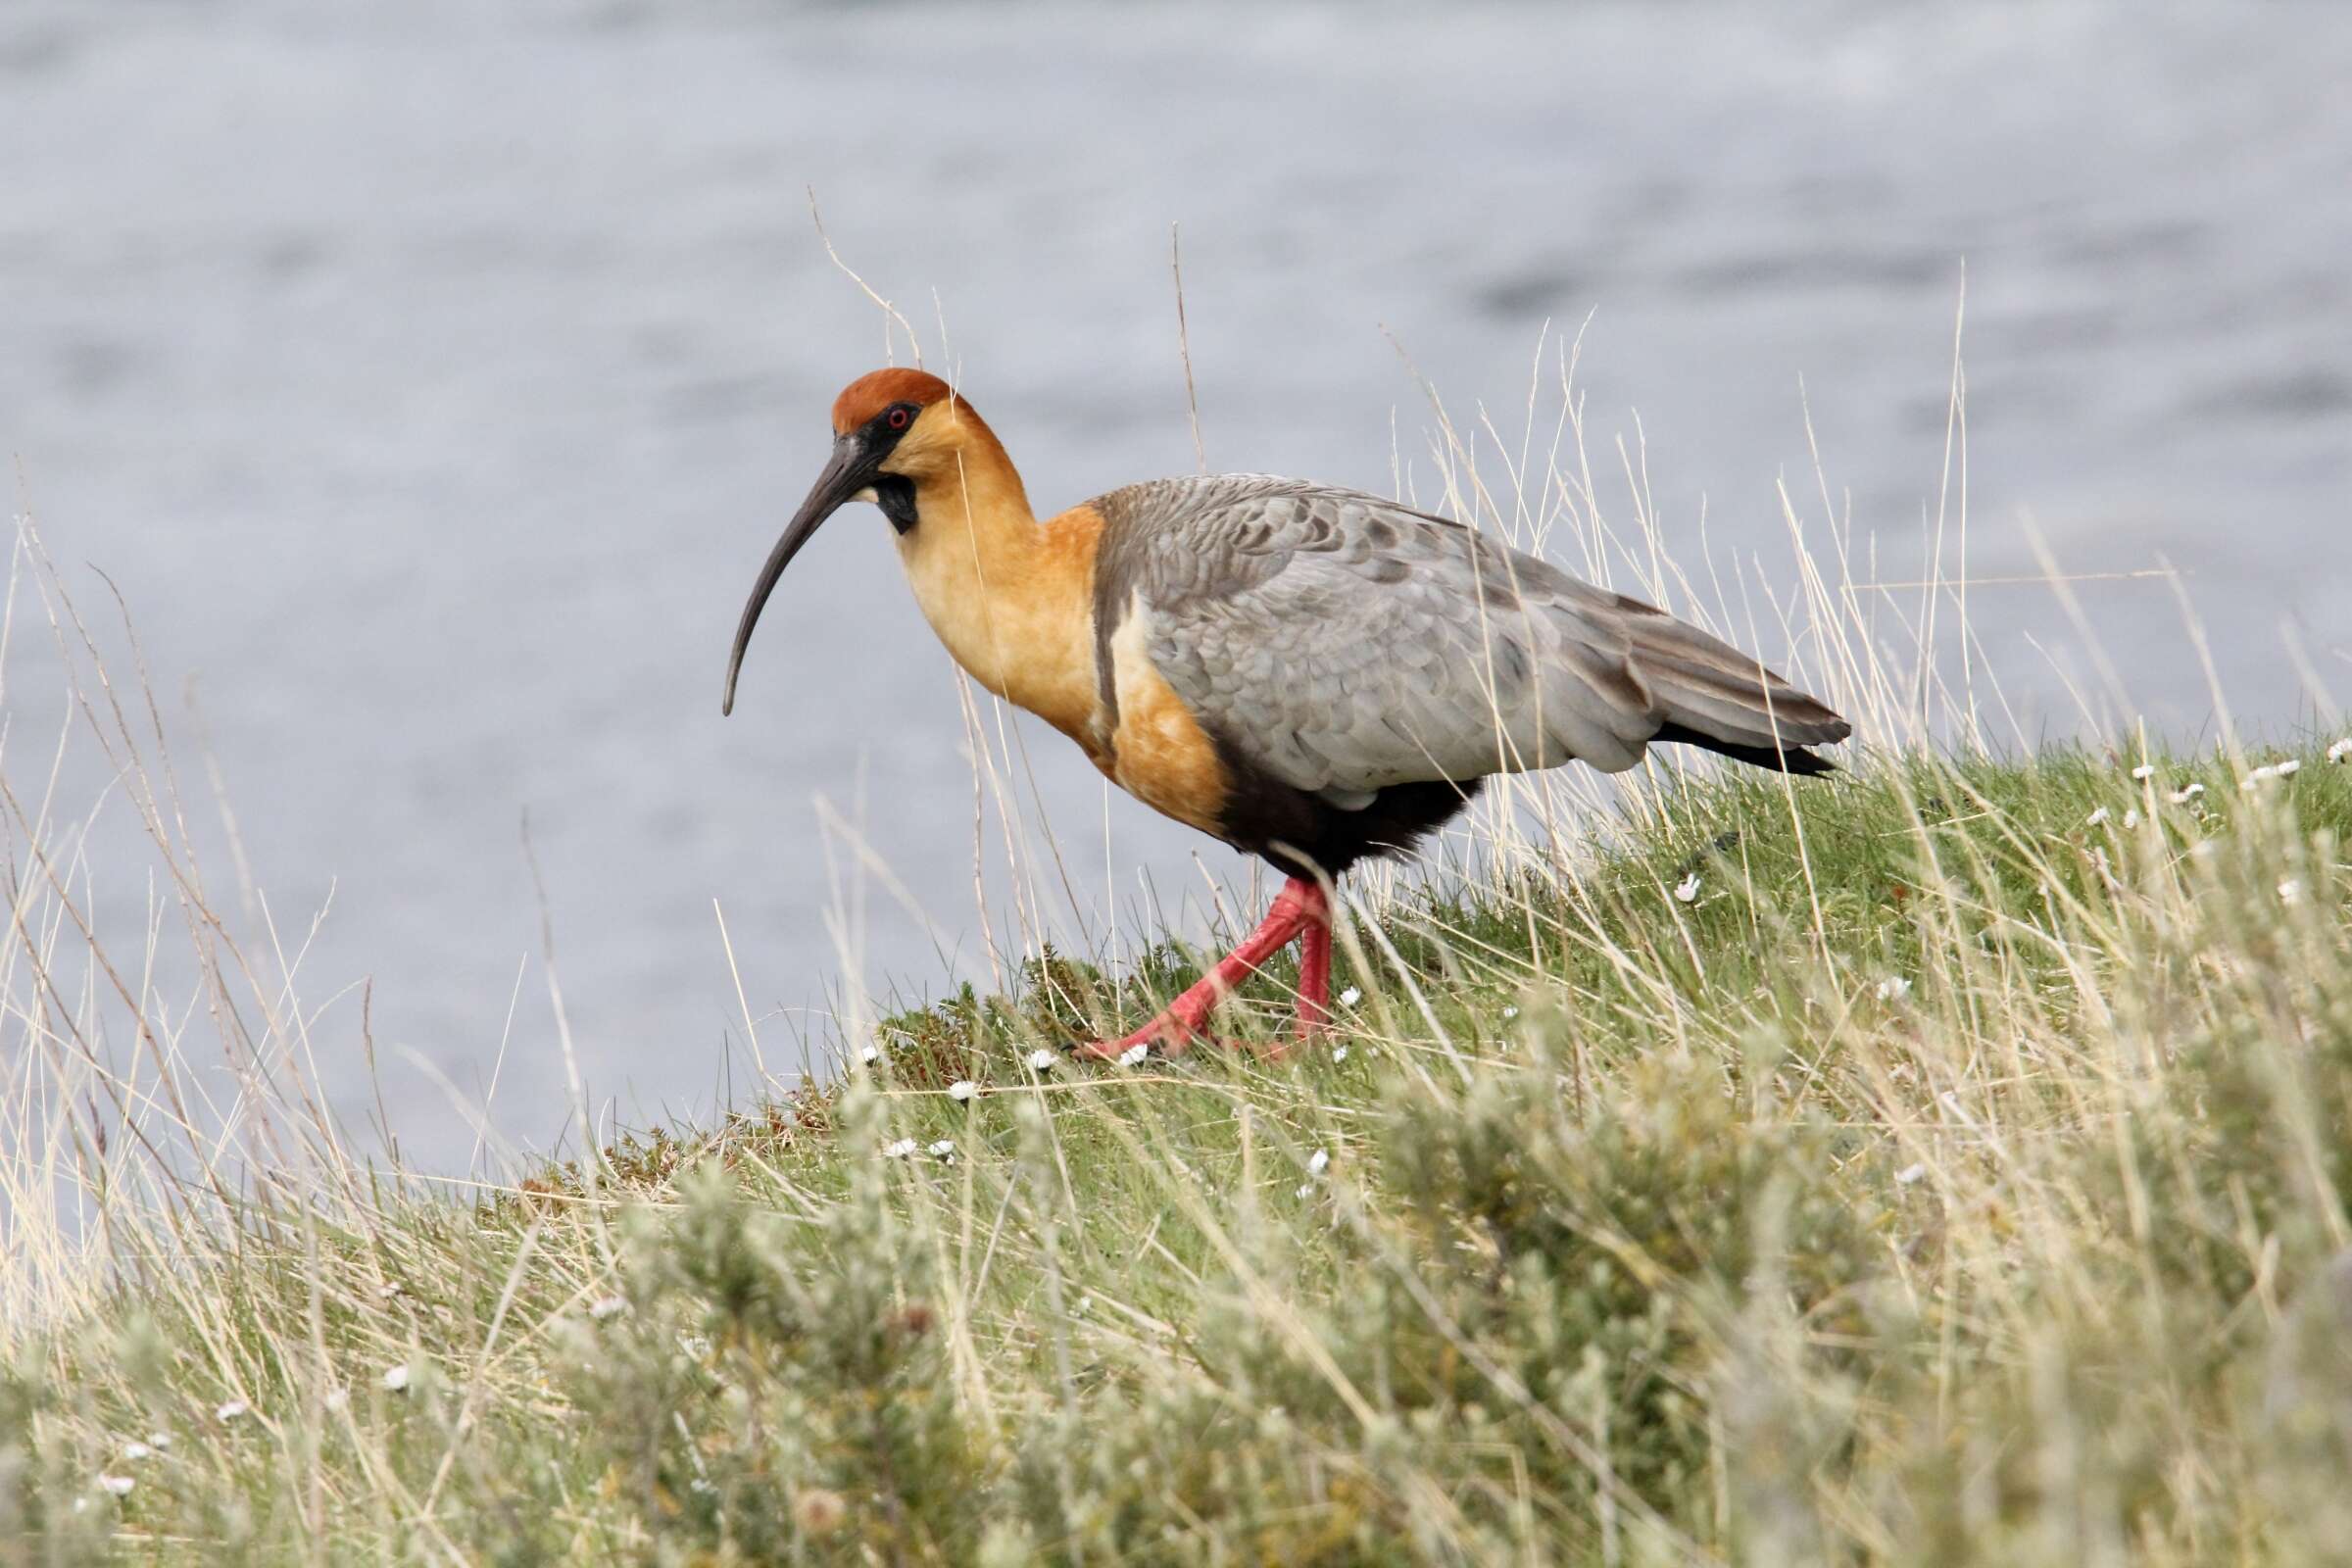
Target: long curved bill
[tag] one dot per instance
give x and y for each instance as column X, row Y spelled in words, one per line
column 844, row 476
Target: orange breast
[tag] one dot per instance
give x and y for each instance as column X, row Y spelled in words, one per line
column 1160, row 752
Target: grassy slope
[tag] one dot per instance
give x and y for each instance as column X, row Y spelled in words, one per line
column 1650, row 1231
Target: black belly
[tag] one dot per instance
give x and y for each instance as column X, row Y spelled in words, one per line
column 1298, row 830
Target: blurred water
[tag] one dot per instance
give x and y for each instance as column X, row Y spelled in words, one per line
column 432, row 378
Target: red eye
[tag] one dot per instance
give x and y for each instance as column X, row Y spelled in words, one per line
column 899, row 417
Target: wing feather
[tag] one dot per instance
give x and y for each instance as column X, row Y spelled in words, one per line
column 1342, row 643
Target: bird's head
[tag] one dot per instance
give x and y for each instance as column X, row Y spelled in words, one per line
column 895, row 431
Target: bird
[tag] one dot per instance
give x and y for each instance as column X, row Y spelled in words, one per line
column 1312, row 675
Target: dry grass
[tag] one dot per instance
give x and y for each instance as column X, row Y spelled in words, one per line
column 1940, row 1163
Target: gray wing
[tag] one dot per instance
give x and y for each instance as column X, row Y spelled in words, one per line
column 1342, row 643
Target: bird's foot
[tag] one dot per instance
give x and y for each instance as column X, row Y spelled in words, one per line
column 1164, row 1036
column 1299, row 909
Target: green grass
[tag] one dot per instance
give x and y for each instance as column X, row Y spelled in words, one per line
column 1951, row 1179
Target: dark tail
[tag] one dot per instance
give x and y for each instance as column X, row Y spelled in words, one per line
column 1795, row 760
column 1716, row 697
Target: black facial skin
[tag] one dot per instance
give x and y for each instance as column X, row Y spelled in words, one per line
column 856, row 466
column 893, row 493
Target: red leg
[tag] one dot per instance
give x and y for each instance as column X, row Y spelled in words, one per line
column 1298, row 906
column 1314, row 979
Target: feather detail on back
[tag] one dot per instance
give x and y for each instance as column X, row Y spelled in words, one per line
column 1341, row 643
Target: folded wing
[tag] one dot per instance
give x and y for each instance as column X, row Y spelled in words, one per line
column 1342, row 644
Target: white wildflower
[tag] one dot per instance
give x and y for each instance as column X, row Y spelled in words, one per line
column 2095, row 818
column 1687, row 889
column 605, row 1307
column 1043, row 1061
column 2256, row 779
column 899, row 1150
column 231, row 1410
column 1318, row 1163
column 1339, row 1053
column 1305, row 1190
column 396, row 1378
column 2340, row 749
column 120, row 1485
column 1895, row 988
column 2132, row 818
column 159, row 1441
column 694, row 1346
column 1082, row 1306
column 2289, row 769
column 135, row 1450
column 2143, row 772
column 1351, row 997
column 945, row 1149
column 962, row 1089
column 2187, row 793
column 1133, row 1056
column 385, row 1293
column 1508, row 1013
column 870, row 1055
column 1910, row 1173
column 336, row 1398
column 2290, row 891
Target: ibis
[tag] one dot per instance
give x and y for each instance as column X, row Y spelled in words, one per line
column 1312, row 675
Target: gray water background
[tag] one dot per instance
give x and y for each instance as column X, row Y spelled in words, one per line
column 433, row 376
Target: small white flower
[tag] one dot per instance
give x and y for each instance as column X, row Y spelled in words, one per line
column 120, row 1485
column 2256, row 779
column 1339, row 1053
column 694, row 1346
column 231, row 1410
column 1043, row 1061
column 945, row 1149
column 135, row 1450
column 897, row 1150
column 1318, row 1163
column 2095, row 818
column 1895, row 988
column 2340, row 749
column 158, row 1440
column 1133, row 1056
column 336, row 1398
column 1687, row 889
column 1081, row 1305
column 1351, row 997
column 2143, row 772
column 2290, row 891
column 396, row 1378
column 962, row 1089
column 2289, row 769
column 2132, row 818
column 2187, row 793
column 1305, row 1190
column 1509, row 1014
column 385, row 1293
column 1910, row 1173
column 870, row 1055
column 605, row 1307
